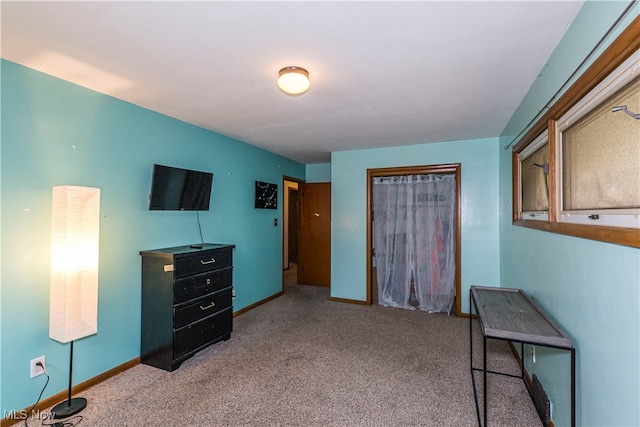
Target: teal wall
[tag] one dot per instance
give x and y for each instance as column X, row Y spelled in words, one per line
column 591, row 288
column 319, row 172
column 56, row 133
column 480, row 240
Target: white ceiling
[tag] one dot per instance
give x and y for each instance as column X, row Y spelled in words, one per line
column 382, row 73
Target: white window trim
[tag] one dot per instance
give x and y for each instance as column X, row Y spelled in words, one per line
column 535, row 216
column 628, row 218
column 622, row 75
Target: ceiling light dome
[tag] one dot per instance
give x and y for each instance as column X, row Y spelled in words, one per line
column 293, row 80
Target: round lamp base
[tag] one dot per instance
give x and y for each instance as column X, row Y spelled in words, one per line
column 69, row 407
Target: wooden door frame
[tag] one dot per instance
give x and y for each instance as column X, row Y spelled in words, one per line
column 287, row 259
column 453, row 168
column 299, row 181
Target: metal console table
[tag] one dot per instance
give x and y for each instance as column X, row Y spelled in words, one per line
column 509, row 315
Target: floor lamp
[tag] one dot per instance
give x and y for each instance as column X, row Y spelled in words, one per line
column 73, row 311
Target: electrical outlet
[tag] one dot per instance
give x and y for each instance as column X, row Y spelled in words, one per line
column 35, row 369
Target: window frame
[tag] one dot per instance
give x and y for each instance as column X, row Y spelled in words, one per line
column 629, row 71
column 529, row 150
column 625, row 45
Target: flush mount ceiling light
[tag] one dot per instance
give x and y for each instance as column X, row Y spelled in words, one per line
column 293, row 80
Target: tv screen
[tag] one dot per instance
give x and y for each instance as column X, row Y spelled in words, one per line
column 175, row 189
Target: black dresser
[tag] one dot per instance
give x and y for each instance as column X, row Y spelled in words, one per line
column 186, row 302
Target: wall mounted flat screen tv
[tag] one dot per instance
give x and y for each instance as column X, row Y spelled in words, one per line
column 176, row 189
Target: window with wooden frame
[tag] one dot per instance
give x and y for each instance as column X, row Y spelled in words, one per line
column 534, row 179
column 599, row 153
column 577, row 170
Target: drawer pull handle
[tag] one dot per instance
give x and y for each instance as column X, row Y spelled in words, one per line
column 208, row 281
column 208, row 307
column 207, row 262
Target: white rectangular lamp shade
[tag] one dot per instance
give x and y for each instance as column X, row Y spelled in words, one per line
column 73, row 311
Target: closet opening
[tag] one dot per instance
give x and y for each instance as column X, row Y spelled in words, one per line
column 413, row 251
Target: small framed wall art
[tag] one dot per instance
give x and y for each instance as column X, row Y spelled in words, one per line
column 266, row 195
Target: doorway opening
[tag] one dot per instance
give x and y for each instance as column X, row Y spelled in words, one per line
column 452, row 169
column 290, row 231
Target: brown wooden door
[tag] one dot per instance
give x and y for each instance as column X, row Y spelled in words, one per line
column 314, row 246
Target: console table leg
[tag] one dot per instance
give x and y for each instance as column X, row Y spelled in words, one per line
column 471, row 369
column 522, row 360
column 573, row 387
column 484, row 373
column 470, row 336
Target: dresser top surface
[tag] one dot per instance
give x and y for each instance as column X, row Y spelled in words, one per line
column 187, row 249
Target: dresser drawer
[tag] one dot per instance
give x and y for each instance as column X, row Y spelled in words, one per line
column 201, row 307
column 199, row 262
column 202, row 284
column 192, row 337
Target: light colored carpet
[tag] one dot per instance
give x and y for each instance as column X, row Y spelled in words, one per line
column 303, row 360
